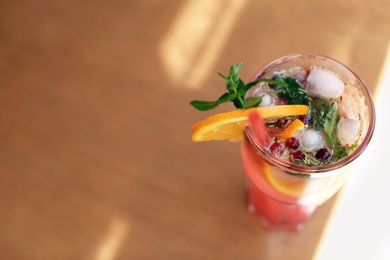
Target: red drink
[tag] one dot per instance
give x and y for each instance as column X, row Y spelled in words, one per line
column 285, row 188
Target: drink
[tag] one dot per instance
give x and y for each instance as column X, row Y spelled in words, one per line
column 309, row 158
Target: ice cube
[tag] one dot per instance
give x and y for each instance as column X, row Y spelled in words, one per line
column 268, row 99
column 299, row 77
column 349, row 107
column 299, row 74
column 323, row 83
column 348, row 131
column 252, row 91
column 312, row 140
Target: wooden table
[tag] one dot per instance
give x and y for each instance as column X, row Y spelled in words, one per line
column 96, row 160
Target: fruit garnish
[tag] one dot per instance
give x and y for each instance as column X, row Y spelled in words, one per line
column 277, row 149
column 292, row 128
column 323, row 155
column 236, row 92
column 230, row 125
column 285, row 183
column 293, row 144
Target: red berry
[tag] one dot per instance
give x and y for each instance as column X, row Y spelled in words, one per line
column 293, row 144
column 323, row 155
column 277, row 149
column 283, row 101
column 304, row 119
column 282, row 122
column 298, row 155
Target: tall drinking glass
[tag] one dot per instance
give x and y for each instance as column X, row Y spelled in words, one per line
column 284, row 194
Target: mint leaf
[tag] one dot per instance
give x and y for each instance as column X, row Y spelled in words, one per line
column 326, row 118
column 252, row 102
column 339, row 154
column 234, row 69
column 321, row 112
column 204, row 105
column 223, row 76
column 236, row 91
column 226, row 97
column 207, row 105
column 271, row 81
column 330, row 121
column 291, row 90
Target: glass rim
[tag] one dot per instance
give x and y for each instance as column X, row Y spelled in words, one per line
column 250, row 135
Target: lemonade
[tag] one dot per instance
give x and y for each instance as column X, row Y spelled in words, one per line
column 302, row 120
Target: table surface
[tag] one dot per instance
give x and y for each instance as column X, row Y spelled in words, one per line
column 96, row 160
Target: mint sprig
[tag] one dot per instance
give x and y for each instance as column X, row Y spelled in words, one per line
column 326, row 117
column 292, row 91
column 236, row 90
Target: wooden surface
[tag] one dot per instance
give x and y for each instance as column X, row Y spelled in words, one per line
column 96, row 160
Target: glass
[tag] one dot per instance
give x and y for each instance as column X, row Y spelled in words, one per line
column 285, row 195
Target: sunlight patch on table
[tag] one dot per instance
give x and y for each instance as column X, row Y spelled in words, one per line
column 195, row 40
column 116, row 233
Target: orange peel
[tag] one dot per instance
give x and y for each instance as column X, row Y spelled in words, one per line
column 292, row 128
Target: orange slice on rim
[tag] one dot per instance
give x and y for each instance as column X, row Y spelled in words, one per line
column 229, row 126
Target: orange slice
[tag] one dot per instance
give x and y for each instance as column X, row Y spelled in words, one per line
column 292, row 128
column 230, row 125
column 285, row 183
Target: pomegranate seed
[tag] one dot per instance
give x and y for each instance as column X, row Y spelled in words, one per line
column 323, row 155
column 282, row 122
column 277, row 149
column 305, row 119
column 293, row 144
column 298, row 155
column 283, row 101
